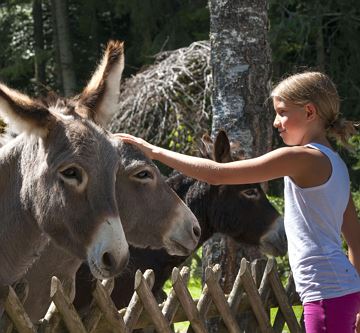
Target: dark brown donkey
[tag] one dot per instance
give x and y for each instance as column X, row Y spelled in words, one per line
column 240, row 211
column 59, row 177
column 151, row 213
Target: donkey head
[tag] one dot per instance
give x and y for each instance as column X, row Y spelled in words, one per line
column 65, row 167
column 163, row 220
column 151, row 213
column 240, row 211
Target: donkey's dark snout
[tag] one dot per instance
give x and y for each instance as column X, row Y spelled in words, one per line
column 197, row 231
column 112, row 265
column 108, row 261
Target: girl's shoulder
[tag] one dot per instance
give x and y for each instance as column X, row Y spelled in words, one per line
column 309, row 167
column 300, row 154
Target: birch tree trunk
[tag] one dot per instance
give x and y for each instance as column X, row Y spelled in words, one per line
column 240, row 58
column 63, row 44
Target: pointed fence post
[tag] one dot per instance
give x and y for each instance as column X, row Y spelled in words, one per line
column 65, row 307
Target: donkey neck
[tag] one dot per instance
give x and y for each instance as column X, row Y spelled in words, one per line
column 21, row 240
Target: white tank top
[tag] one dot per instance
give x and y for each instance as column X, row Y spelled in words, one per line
column 313, row 218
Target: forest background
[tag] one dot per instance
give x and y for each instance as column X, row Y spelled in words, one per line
column 322, row 35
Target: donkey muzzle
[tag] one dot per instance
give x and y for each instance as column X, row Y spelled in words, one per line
column 108, row 254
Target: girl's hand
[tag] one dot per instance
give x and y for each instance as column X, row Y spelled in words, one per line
column 357, row 329
column 146, row 147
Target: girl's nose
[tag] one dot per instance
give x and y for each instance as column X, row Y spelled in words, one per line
column 276, row 122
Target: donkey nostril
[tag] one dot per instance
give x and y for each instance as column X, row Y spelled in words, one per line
column 197, row 231
column 108, row 260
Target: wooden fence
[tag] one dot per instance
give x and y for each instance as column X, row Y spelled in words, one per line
column 256, row 289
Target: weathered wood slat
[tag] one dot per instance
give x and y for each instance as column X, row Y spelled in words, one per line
column 254, row 297
column 220, row 301
column 150, row 304
column 65, row 307
column 108, row 309
column 135, row 308
column 257, row 270
column 264, row 288
column 293, row 298
column 94, row 314
column 283, row 301
column 235, row 295
column 21, row 290
column 15, row 310
column 172, row 303
column 205, row 300
column 187, row 302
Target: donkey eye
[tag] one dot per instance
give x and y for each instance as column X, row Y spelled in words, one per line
column 144, row 174
column 72, row 173
column 250, row 193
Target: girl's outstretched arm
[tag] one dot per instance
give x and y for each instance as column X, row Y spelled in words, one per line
column 288, row 161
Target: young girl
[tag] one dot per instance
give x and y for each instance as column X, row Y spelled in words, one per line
column 318, row 202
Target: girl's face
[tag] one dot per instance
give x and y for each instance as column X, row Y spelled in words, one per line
column 290, row 121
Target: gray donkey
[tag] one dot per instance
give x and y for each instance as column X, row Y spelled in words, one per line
column 147, row 207
column 151, row 213
column 58, row 179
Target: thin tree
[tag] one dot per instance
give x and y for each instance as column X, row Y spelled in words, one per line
column 39, row 45
column 63, row 44
column 240, row 59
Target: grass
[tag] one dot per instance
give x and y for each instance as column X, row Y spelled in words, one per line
column 298, row 309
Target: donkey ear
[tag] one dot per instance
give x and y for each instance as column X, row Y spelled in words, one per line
column 222, row 151
column 101, row 95
column 22, row 113
column 206, row 146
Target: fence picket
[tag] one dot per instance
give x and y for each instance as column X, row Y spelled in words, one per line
column 254, row 297
column 15, row 310
column 283, row 302
column 220, row 300
column 94, row 314
column 65, row 307
column 135, row 307
column 172, row 302
column 187, row 302
column 108, row 308
column 21, row 290
column 150, row 304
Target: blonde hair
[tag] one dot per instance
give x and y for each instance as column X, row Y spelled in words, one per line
column 318, row 89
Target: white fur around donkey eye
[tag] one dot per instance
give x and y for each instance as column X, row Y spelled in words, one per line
column 75, row 176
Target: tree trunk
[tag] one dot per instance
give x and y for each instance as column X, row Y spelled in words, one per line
column 240, row 58
column 57, row 62
column 66, row 64
column 39, row 46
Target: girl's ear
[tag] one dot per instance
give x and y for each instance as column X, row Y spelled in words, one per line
column 311, row 111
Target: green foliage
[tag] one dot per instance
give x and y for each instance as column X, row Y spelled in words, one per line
column 317, row 34
column 181, row 138
column 320, row 35
column 277, row 202
column 16, row 43
column 356, row 197
column 155, row 26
